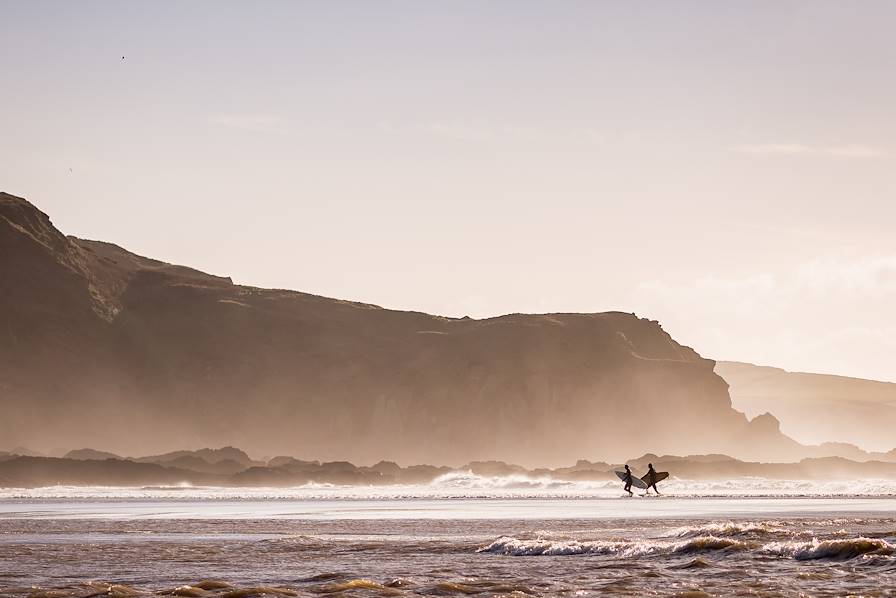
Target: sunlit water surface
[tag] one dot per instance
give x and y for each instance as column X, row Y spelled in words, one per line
column 457, row 537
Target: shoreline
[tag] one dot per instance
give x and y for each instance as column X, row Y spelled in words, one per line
column 431, row 509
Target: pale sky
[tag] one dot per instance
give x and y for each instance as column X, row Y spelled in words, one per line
column 726, row 168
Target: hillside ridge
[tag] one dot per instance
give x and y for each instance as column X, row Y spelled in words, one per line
column 99, row 339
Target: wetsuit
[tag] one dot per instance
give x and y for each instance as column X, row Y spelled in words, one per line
column 651, row 480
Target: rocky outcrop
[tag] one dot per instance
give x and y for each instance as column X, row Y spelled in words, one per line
column 29, row 472
column 87, row 454
column 136, row 355
column 815, row 408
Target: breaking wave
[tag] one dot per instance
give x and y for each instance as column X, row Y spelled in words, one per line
column 731, row 528
column 510, row 546
column 462, row 484
column 837, row 549
column 470, row 480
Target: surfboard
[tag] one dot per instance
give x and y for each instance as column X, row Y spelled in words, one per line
column 660, row 476
column 636, row 481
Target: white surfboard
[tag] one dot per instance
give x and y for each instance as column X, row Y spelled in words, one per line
column 636, row 481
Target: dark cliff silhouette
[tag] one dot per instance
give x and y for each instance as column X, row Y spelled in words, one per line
column 100, row 347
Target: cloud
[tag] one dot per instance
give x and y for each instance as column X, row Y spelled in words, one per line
column 774, row 148
column 794, row 149
column 830, row 315
column 460, row 131
column 856, row 151
column 870, row 275
column 257, row 123
column 484, row 132
column 845, row 282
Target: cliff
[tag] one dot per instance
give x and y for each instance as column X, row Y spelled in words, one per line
column 100, row 347
column 816, row 408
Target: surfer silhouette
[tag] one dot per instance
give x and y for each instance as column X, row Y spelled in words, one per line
column 651, row 478
column 628, row 481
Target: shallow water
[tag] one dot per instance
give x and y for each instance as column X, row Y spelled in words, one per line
column 350, row 542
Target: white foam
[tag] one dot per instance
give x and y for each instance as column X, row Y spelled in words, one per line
column 510, row 546
column 731, row 528
column 836, row 549
column 470, row 481
column 465, row 484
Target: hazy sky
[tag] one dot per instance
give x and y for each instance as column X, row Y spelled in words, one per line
column 726, row 168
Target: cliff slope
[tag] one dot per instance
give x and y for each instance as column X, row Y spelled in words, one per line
column 815, row 408
column 100, row 347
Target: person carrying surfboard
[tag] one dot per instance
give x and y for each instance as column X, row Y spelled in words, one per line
column 651, row 478
column 628, row 481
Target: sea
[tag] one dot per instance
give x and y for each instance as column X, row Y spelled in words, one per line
column 462, row 535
